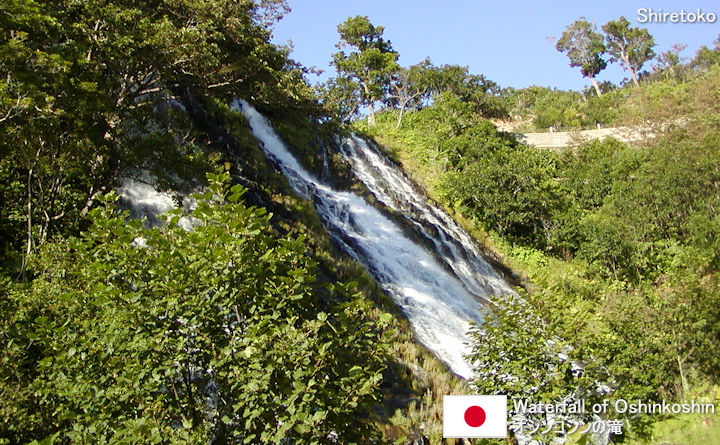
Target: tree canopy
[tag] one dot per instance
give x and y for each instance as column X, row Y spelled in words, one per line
column 370, row 62
column 584, row 47
column 631, row 46
column 707, row 57
column 89, row 89
column 132, row 334
column 410, row 85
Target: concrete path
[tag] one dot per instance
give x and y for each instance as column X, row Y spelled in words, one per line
column 564, row 138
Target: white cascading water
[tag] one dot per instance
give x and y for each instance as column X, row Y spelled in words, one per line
column 439, row 299
column 394, row 189
column 145, row 202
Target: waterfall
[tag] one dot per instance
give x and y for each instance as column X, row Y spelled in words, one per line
column 440, row 293
column 394, row 189
column 144, row 201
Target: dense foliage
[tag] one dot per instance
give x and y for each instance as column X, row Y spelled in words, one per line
column 584, row 47
column 619, row 242
column 135, row 334
column 241, row 330
column 90, row 90
column 368, row 73
column 369, row 63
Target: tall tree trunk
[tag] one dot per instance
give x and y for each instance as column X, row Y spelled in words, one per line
column 633, row 74
column 371, row 108
column 634, row 77
column 400, row 115
column 594, row 83
column 28, row 248
column 371, row 117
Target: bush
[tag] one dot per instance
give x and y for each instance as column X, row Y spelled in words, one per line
column 147, row 335
column 509, row 189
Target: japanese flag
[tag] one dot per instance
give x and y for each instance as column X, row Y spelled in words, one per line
column 474, row 416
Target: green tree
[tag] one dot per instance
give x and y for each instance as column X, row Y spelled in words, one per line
column 89, row 89
column 370, row 62
column 510, row 189
column 218, row 334
column 515, row 352
column 518, row 353
column 584, row 47
column 409, row 85
column 482, row 93
column 631, row 46
column 341, row 96
column 559, row 109
column 669, row 63
column 706, row 57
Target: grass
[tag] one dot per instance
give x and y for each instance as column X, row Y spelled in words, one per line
column 686, row 429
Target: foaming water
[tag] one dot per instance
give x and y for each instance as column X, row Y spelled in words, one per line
column 454, row 246
column 440, row 294
column 145, row 202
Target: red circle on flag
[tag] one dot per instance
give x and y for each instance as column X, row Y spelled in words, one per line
column 475, row 416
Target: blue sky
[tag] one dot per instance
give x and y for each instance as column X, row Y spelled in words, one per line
column 505, row 40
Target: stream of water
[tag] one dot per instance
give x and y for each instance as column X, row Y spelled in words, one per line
column 440, row 292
